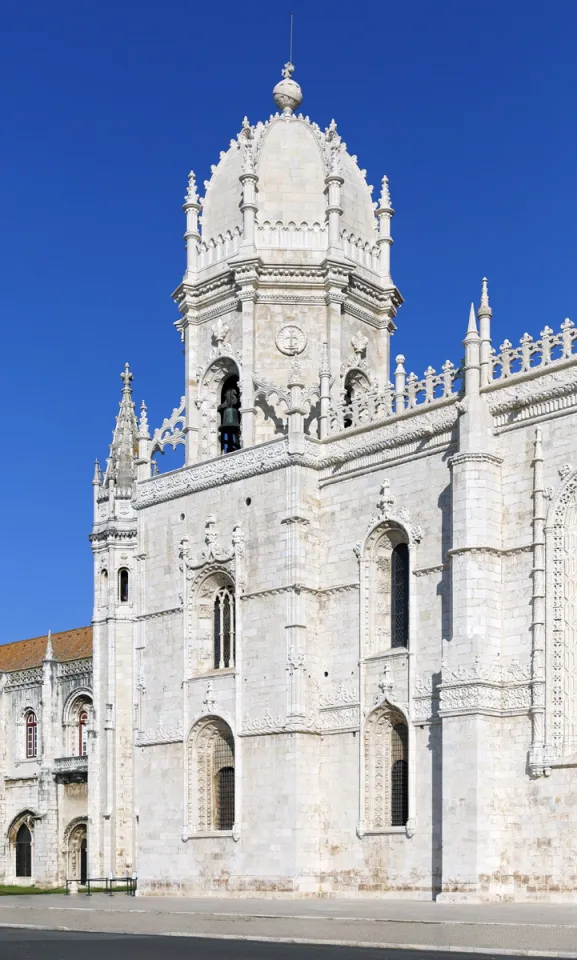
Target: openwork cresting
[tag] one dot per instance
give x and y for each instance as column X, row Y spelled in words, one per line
column 532, row 354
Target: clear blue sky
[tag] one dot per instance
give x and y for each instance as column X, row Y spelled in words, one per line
column 469, row 106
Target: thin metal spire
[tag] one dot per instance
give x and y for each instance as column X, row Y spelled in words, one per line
column 291, row 38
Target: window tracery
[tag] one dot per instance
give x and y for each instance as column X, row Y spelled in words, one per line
column 31, row 735
column 211, row 763
column 223, row 628
column 388, row 590
column 386, row 744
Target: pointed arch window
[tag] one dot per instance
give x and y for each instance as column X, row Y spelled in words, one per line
column 123, row 585
column 386, row 770
column 224, row 628
column 400, row 596
column 24, row 852
column 82, row 733
column 31, row 735
column 212, row 777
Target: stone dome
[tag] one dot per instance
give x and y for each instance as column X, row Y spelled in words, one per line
column 291, row 157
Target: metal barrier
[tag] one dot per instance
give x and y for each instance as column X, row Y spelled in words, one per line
column 108, row 883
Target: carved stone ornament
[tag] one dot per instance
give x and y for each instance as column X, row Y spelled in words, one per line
column 291, row 340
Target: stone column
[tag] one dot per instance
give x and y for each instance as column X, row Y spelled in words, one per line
column 471, row 732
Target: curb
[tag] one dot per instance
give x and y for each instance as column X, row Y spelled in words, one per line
column 307, row 941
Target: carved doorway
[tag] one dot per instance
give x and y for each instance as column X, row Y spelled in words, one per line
column 77, row 853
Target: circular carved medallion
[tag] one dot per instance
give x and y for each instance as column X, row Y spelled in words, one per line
column 291, row 340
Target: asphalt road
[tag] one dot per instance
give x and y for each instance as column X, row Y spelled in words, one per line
column 53, row 945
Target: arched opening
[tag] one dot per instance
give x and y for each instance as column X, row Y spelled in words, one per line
column 76, row 721
column 229, row 410
column 400, row 596
column 356, row 384
column 387, row 769
column 123, row 585
column 212, row 775
column 77, row 852
column 225, row 798
column 224, row 633
column 399, row 775
column 23, row 852
column 82, row 733
column 103, row 587
column 31, row 735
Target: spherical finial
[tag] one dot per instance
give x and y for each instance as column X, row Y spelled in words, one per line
column 287, row 94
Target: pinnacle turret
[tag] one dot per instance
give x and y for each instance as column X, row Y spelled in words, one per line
column 121, row 463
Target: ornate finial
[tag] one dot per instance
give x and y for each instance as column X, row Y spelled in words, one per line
column 472, row 326
column 97, row 478
column 120, row 467
column 484, row 307
column 49, row 654
column 385, row 198
column 325, row 364
column 287, row 94
column 126, row 377
column 191, row 193
column 143, row 422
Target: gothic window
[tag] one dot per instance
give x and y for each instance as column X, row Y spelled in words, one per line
column 399, row 775
column 212, row 777
column 229, row 410
column 103, row 587
column 82, row 733
column 388, row 590
column 123, row 585
column 223, row 631
column 24, row 852
column 386, row 770
column 400, row 596
column 31, row 734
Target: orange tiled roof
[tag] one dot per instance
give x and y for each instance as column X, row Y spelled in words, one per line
column 68, row 645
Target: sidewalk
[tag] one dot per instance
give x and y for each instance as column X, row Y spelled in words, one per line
column 516, row 928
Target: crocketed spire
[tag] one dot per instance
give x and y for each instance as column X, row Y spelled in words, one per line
column 121, row 462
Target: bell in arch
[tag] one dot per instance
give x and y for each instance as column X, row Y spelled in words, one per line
column 229, row 409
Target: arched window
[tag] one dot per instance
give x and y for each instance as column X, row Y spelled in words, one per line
column 400, row 596
column 123, row 585
column 356, row 385
column 386, row 585
column 387, row 770
column 399, row 775
column 82, row 733
column 24, row 852
column 31, row 734
column 229, row 410
column 212, row 776
column 103, row 587
column 223, row 633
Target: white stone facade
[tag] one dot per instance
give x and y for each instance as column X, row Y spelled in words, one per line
column 342, row 658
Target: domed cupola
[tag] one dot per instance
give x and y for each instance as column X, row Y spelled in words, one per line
column 291, row 161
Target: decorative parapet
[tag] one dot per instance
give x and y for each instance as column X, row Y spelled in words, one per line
column 292, row 236
column 493, row 688
column 218, row 249
column 24, row 678
column 532, row 355
column 367, row 254
column 408, row 393
column 71, row 769
column 75, row 668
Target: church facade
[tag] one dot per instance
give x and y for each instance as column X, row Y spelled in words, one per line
column 335, row 652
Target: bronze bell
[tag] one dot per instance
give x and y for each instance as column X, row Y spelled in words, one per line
column 229, row 411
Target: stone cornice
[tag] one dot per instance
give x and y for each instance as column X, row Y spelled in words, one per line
column 111, row 533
